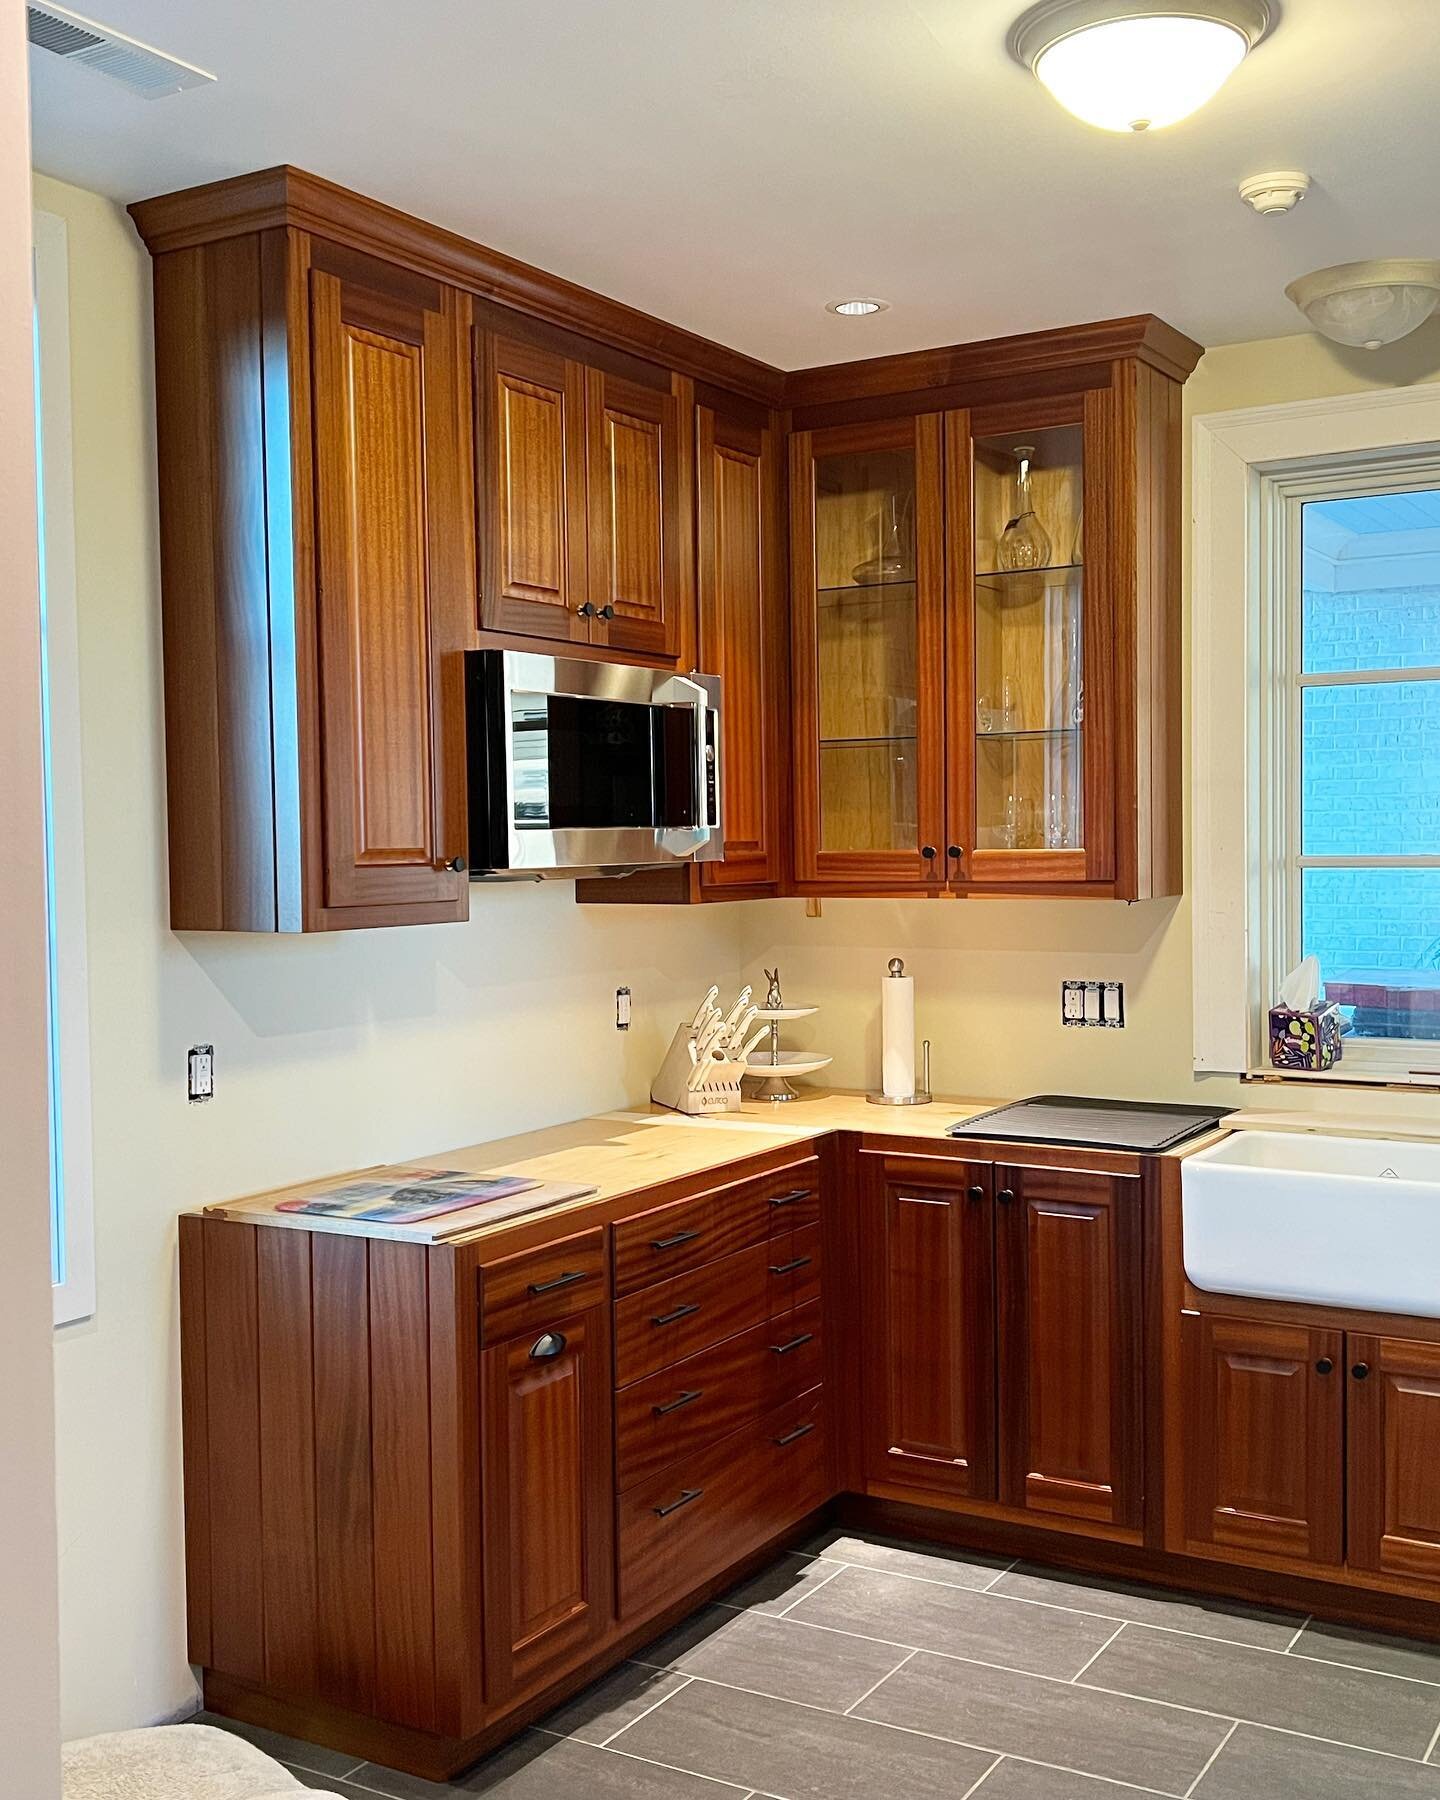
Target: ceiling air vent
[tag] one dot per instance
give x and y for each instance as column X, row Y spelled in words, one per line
column 134, row 65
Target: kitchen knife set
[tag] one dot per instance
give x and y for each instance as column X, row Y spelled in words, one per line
column 706, row 1059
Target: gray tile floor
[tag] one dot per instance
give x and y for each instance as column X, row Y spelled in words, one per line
column 860, row 1669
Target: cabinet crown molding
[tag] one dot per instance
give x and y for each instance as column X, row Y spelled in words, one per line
column 285, row 196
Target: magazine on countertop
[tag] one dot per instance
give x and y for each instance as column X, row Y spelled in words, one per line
column 418, row 1206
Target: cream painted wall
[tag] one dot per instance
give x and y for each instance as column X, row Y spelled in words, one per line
column 330, row 1054
column 988, row 972
column 29, row 1671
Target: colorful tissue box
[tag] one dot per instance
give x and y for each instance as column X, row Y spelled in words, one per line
column 1305, row 1040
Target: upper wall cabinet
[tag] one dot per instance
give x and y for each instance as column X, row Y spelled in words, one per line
column 987, row 632
column 587, row 524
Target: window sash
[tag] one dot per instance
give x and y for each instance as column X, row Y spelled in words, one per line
column 1281, row 862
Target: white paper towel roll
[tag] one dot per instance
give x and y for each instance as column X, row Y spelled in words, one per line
column 897, row 1034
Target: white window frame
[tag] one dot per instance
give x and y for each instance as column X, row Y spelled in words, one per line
column 1252, row 472
column 74, row 1292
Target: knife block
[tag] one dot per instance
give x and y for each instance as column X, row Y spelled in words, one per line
column 719, row 1093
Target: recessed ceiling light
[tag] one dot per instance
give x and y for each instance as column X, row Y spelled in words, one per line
column 857, row 309
column 1134, row 65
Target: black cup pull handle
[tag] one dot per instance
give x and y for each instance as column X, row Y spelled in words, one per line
column 678, row 1312
column 794, row 1344
column 688, row 1398
column 796, row 1262
column 790, row 1436
column 674, row 1243
column 790, row 1198
column 548, row 1344
column 1324, row 1366
column 686, row 1496
column 568, row 1279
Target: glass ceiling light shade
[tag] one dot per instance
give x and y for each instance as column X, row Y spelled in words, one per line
column 1368, row 304
column 1135, row 65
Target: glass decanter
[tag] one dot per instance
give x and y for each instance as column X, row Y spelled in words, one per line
column 1024, row 543
column 890, row 561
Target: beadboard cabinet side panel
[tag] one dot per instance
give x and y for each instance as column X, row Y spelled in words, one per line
column 313, row 1455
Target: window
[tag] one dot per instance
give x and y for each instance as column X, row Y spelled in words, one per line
column 72, row 1246
column 1316, row 635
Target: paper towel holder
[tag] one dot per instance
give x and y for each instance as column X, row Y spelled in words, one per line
column 921, row 1096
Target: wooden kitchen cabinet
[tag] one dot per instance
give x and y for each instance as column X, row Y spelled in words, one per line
column 546, row 1499
column 581, row 493
column 867, row 613
column 1068, row 1280
column 927, row 1247
column 1264, row 1442
column 1393, row 1483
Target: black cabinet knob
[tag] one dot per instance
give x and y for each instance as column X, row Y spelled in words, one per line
column 1360, row 1371
column 585, row 610
column 607, row 612
column 956, row 852
column 929, row 852
column 1005, row 1196
column 1324, row 1366
column 455, row 864
column 975, row 1195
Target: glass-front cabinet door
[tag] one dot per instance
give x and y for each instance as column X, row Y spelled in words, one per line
column 1019, row 795
column 867, row 530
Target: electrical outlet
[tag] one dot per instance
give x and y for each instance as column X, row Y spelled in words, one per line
column 1098, row 1003
column 622, row 1009
column 201, row 1067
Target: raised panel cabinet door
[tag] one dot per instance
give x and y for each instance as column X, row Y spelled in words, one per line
column 395, row 554
column 547, row 1500
column 1394, row 1449
column 867, row 694
column 635, row 515
column 1264, row 1437
column 929, row 1372
column 532, row 478
column 1068, row 1273
column 742, row 638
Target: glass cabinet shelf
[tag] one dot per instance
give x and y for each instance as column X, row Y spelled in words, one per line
column 1010, row 578
column 864, row 743
column 1025, row 733
column 863, row 589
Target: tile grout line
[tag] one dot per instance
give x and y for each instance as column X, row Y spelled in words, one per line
column 1300, row 1632
column 970, row 1792
column 839, row 1569
column 685, row 1681
column 634, row 1756
column 1210, row 1759
column 999, row 1575
column 1096, row 1656
column 880, row 1683
column 1430, row 1747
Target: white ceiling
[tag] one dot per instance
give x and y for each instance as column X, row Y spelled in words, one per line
column 733, row 164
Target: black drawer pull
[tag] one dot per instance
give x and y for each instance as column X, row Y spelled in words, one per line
column 688, row 1398
column 793, row 1195
column 686, row 1496
column 790, row 1436
column 548, row 1344
column 568, row 1279
column 680, row 1312
column 794, row 1344
column 798, row 1262
column 673, row 1243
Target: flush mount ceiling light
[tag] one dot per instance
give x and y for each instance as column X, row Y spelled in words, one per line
column 1134, row 65
column 857, row 309
column 1368, row 304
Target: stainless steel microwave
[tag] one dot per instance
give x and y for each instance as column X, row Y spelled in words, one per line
column 588, row 765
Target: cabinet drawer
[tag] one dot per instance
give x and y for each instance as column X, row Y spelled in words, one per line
column 794, row 1267
column 687, row 1233
column 673, row 1414
column 685, row 1523
column 526, row 1292
column 687, row 1314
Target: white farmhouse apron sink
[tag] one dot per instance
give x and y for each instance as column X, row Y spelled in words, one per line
column 1277, row 1215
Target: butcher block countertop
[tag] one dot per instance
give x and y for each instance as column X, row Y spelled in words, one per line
column 631, row 1152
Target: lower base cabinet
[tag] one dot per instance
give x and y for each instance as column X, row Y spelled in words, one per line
column 1002, row 1334
column 1393, row 1390
column 548, row 1586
